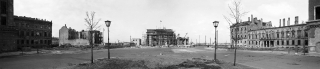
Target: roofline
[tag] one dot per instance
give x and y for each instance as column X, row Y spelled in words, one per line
column 279, row 27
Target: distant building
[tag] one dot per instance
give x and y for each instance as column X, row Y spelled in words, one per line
column 159, row 37
column 183, row 40
column 143, row 40
column 73, row 37
column 136, row 41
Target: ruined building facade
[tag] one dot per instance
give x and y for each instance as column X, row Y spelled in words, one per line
column 69, row 36
column 258, row 34
column 183, row 41
column 313, row 26
column 160, row 37
column 240, row 31
column 253, row 34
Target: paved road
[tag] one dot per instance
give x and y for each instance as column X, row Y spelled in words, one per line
column 264, row 60
column 258, row 60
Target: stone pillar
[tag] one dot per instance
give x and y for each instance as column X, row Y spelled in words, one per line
column 269, row 44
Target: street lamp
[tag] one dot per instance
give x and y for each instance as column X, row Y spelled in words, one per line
column 215, row 24
column 108, row 25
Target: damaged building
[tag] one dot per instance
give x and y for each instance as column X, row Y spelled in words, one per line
column 69, row 36
column 160, row 37
column 18, row 32
column 257, row 34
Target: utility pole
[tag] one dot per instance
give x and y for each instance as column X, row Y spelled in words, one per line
column 205, row 40
column 199, row 40
column 103, row 38
column 196, row 41
column 210, row 41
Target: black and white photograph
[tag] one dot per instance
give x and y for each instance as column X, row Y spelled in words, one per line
column 159, row 34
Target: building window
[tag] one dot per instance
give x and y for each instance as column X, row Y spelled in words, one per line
column 277, row 42
column 45, row 34
column 299, row 33
column 317, row 12
column 305, row 34
column 287, row 42
column 32, row 33
column 277, row 34
column 293, row 33
column 282, row 42
column 293, row 42
column 4, row 7
column 27, row 41
column 299, row 42
column 28, row 33
column 3, row 20
column 49, row 42
column 18, row 41
column 21, row 41
column 305, row 42
column 32, row 41
column 41, row 41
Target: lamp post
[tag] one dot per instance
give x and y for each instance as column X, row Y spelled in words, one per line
column 215, row 24
column 108, row 25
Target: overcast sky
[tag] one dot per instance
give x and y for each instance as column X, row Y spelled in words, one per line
column 133, row 17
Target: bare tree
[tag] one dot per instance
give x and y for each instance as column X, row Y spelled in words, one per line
column 235, row 13
column 92, row 25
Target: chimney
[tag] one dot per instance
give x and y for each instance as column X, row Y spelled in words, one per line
column 252, row 21
column 284, row 22
column 248, row 18
column 261, row 20
column 288, row 21
column 296, row 21
column 279, row 22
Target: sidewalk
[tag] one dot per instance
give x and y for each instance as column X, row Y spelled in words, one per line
column 19, row 53
column 313, row 54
